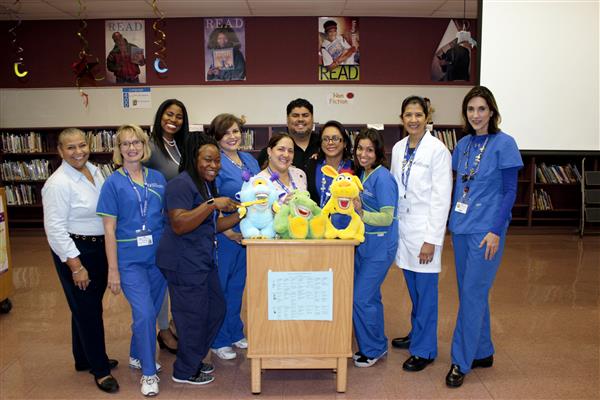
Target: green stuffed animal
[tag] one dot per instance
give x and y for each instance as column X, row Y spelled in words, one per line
column 300, row 218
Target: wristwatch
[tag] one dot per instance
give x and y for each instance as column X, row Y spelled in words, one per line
column 210, row 201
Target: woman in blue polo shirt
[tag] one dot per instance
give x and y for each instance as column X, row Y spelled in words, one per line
column 375, row 255
column 131, row 206
column 187, row 256
column 486, row 162
column 225, row 128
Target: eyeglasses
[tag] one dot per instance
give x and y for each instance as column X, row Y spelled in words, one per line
column 135, row 143
column 334, row 139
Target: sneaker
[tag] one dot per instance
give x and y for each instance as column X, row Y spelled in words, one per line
column 199, row 379
column 356, row 356
column 207, row 368
column 241, row 344
column 135, row 363
column 365, row 362
column 225, row 353
column 149, row 385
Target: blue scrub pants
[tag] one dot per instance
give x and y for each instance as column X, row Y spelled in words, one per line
column 198, row 309
column 232, row 275
column 423, row 291
column 472, row 336
column 144, row 287
column 368, row 309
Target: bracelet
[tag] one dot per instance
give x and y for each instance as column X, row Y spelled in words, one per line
column 79, row 270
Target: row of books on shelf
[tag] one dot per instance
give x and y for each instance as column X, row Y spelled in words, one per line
column 247, row 142
column 31, row 142
column 33, row 170
column 557, row 173
column 105, row 169
column 20, row 195
column 447, row 136
column 541, row 200
column 101, row 141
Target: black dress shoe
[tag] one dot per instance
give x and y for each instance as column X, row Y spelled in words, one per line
column 416, row 363
column 483, row 362
column 107, row 384
column 163, row 345
column 401, row 342
column 455, row 377
column 112, row 364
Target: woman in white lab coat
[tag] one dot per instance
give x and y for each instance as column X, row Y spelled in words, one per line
column 422, row 167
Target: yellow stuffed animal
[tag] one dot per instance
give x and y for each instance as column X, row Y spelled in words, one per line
column 344, row 188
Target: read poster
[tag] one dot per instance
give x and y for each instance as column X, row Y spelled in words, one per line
column 225, row 49
column 339, row 54
column 125, row 51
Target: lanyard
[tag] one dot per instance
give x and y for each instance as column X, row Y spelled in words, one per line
column 143, row 206
column 285, row 188
column 324, row 189
column 407, row 163
column 469, row 173
column 214, row 218
column 241, row 166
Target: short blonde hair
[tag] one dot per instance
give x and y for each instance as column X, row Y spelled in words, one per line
column 138, row 133
column 70, row 132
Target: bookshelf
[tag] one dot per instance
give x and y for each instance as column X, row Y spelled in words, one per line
column 565, row 196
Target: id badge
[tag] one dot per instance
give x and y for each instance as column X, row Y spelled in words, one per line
column 461, row 207
column 403, row 205
column 143, row 237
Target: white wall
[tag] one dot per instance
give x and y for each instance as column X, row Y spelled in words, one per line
column 262, row 104
column 541, row 61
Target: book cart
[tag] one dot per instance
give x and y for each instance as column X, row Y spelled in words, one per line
column 6, row 286
column 292, row 343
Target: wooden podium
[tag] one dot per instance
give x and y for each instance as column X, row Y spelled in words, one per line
column 299, row 344
column 6, row 285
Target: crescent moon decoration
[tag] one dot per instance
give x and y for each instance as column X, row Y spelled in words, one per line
column 17, row 72
column 160, row 41
column 157, row 67
column 18, row 49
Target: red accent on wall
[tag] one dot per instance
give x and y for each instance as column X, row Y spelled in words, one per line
column 279, row 50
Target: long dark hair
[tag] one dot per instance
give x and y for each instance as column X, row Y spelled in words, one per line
column 189, row 156
column 156, row 135
column 486, row 94
column 377, row 139
column 347, row 154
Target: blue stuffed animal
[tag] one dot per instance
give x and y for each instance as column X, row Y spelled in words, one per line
column 258, row 197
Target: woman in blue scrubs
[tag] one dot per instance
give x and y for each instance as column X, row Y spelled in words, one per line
column 131, row 206
column 486, row 162
column 187, row 256
column 375, row 255
column 225, row 128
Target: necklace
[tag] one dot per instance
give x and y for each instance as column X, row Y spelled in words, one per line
column 170, row 142
column 240, row 165
column 281, row 184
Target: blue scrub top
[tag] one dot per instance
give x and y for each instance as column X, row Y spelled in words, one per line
column 118, row 199
column 192, row 251
column 485, row 191
column 379, row 190
column 229, row 180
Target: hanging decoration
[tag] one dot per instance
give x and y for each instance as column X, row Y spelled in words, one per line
column 84, row 66
column 160, row 64
column 19, row 65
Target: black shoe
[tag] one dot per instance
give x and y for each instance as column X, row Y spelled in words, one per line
column 401, row 342
column 163, row 345
column 483, row 362
column 455, row 377
column 109, row 384
column 416, row 363
column 112, row 364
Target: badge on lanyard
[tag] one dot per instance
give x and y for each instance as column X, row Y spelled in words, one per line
column 403, row 205
column 462, row 205
column 143, row 237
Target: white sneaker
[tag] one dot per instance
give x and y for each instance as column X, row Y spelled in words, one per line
column 149, row 385
column 241, row 344
column 135, row 363
column 225, row 353
column 365, row 362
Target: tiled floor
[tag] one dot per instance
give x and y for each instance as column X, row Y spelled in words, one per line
column 544, row 315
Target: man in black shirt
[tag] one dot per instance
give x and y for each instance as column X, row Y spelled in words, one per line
column 299, row 123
